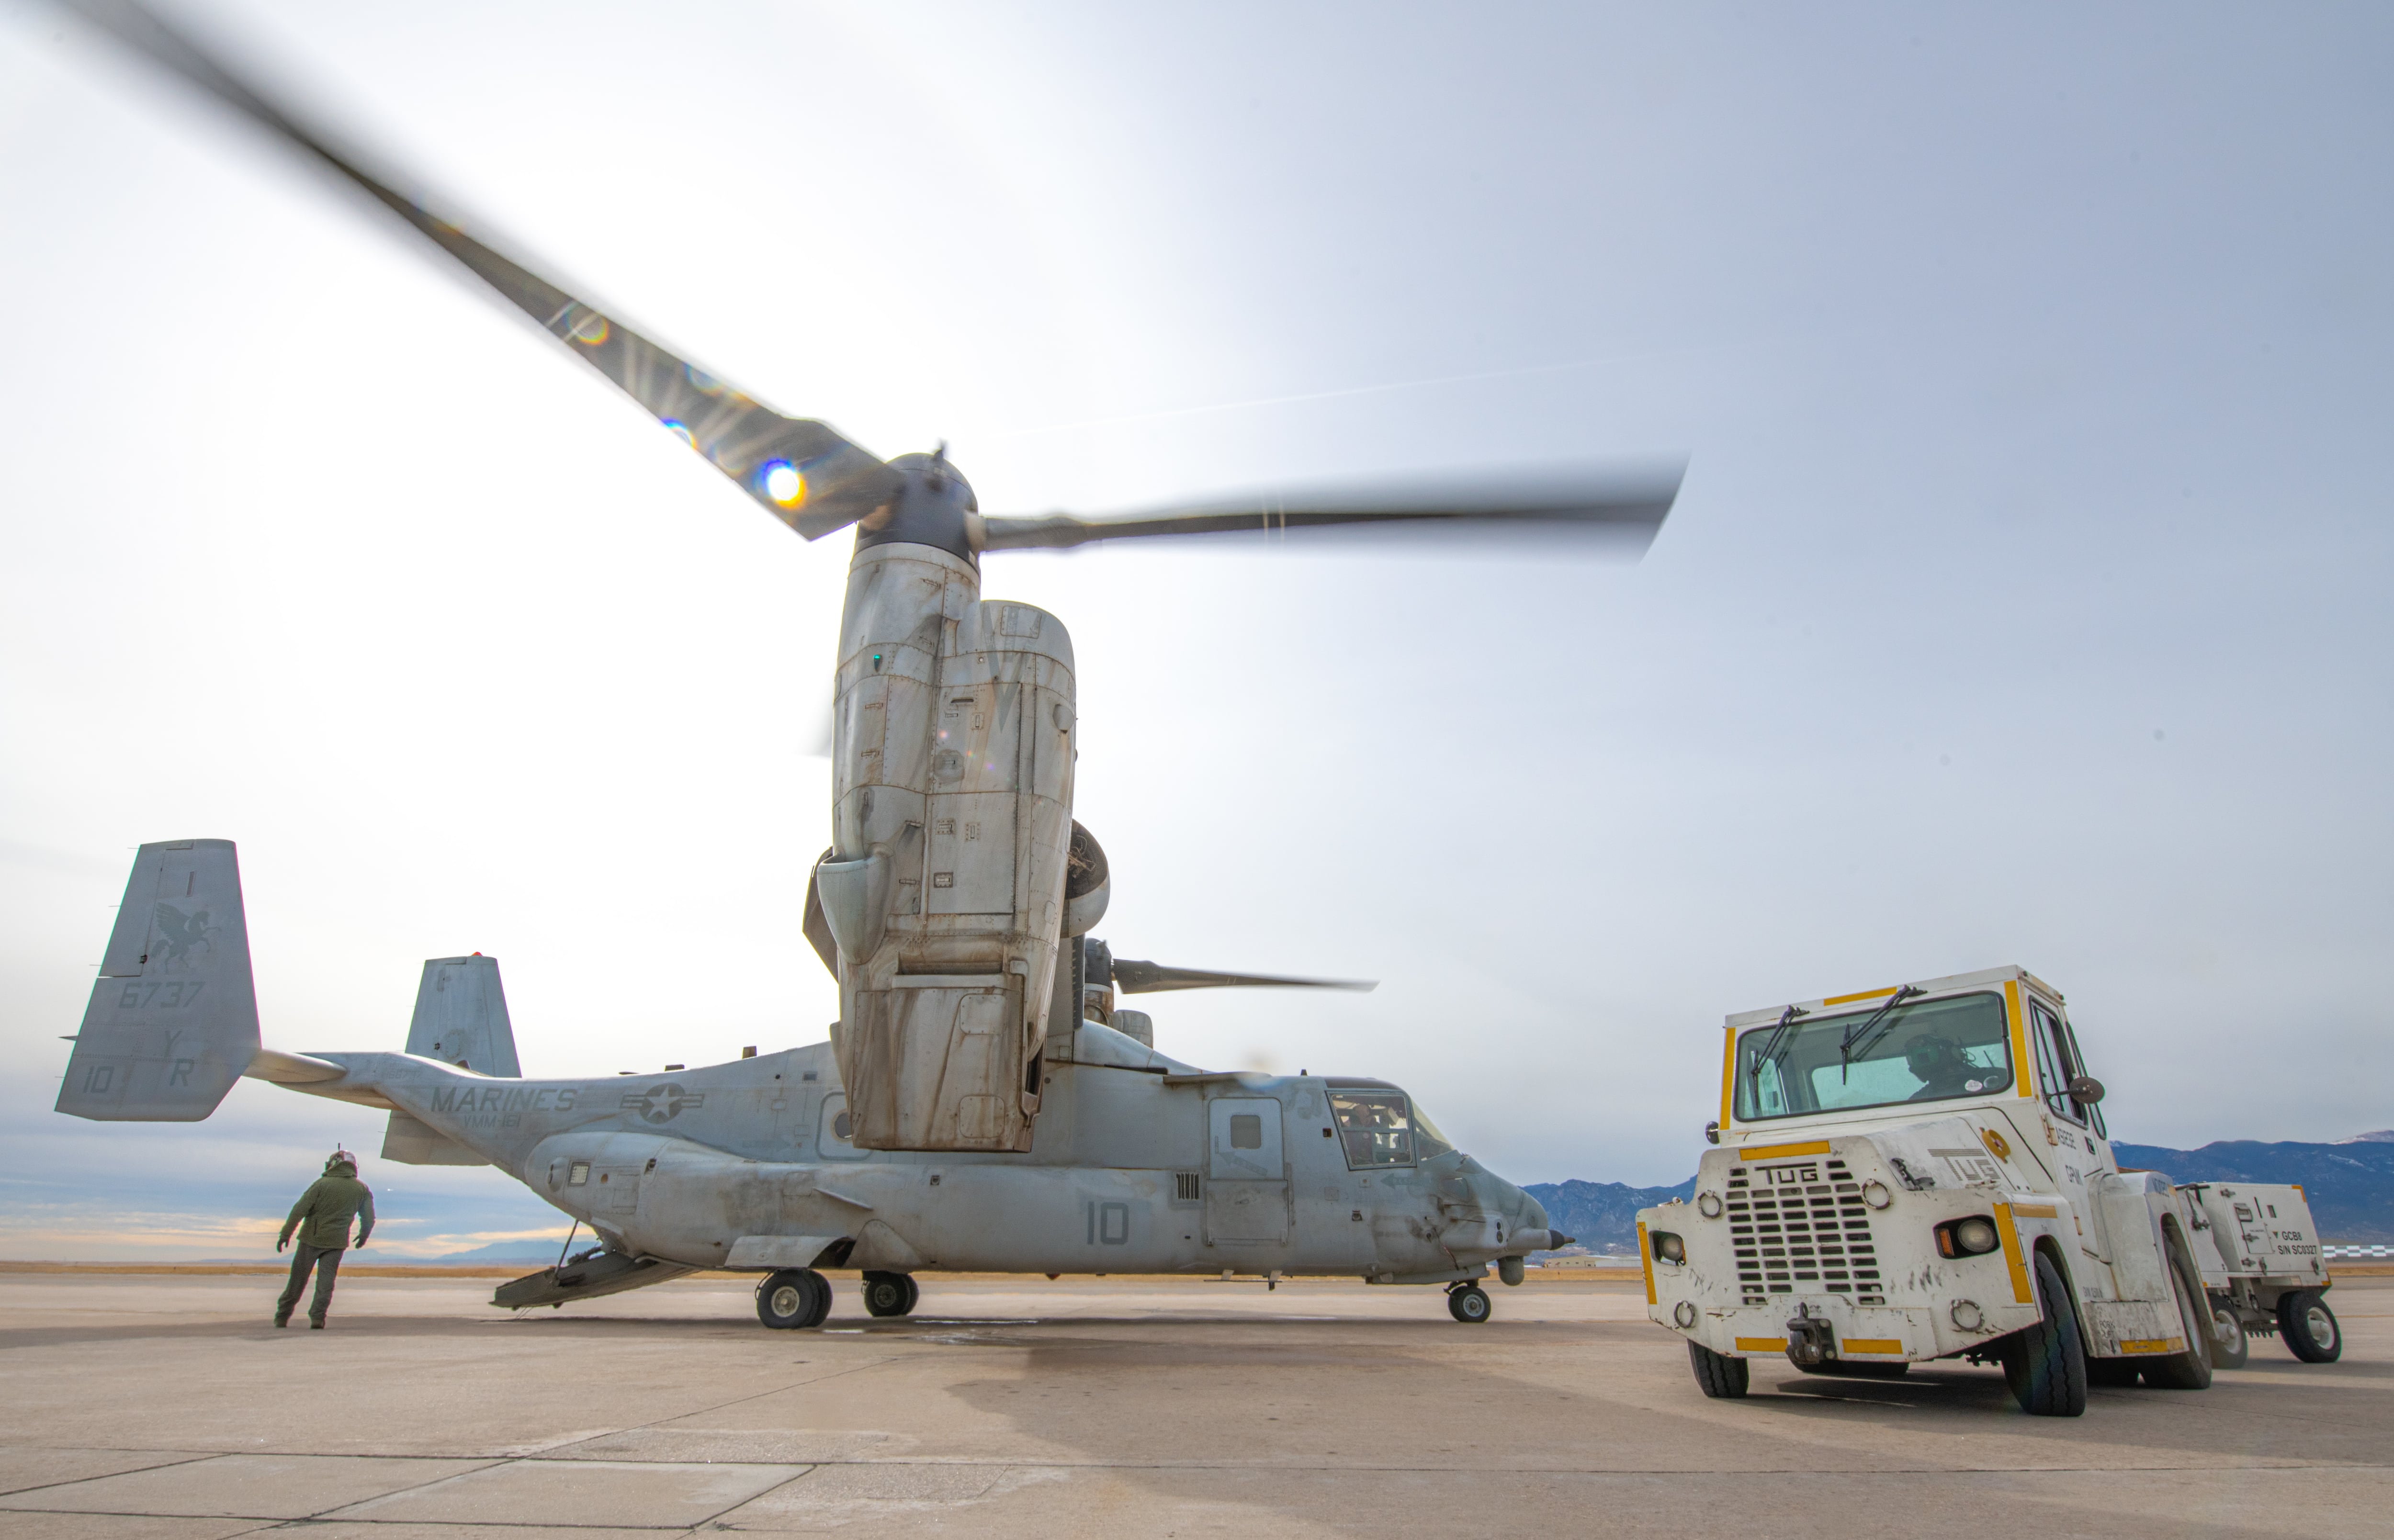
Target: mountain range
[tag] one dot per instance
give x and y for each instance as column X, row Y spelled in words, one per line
column 2350, row 1186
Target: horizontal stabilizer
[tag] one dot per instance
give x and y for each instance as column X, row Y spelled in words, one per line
column 413, row 1142
column 173, row 1020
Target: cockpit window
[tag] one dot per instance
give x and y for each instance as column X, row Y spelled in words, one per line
column 1927, row 1050
column 1428, row 1140
column 1374, row 1127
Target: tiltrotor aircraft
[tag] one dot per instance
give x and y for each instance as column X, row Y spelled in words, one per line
column 980, row 1104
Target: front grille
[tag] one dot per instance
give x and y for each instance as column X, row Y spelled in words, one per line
column 1802, row 1223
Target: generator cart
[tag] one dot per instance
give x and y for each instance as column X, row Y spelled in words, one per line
column 1923, row 1172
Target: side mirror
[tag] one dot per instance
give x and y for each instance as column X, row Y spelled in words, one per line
column 2085, row 1090
column 1711, row 1133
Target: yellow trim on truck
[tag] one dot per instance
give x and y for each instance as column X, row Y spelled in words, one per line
column 2023, row 1069
column 1870, row 1344
column 2154, row 1344
column 1777, row 1151
column 1761, row 1344
column 1728, row 1074
column 1646, row 1258
column 2036, row 1211
column 1866, row 994
column 2012, row 1257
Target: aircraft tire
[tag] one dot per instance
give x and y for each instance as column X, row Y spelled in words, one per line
column 793, row 1300
column 890, row 1294
column 2045, row 1364
column 2309, row 1328
column 1469, row 1304
column 1718, row 1375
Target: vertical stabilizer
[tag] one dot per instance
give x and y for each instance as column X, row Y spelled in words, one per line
column 461, row 1019
column 173, row 1019
column 461, row 1016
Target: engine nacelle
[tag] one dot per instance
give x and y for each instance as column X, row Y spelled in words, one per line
column 946, row 887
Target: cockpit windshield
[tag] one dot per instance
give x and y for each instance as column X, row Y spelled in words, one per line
column 1383, row 1127
column 1891, row 1052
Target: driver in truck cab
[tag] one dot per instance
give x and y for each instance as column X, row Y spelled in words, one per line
column 1945, row 1071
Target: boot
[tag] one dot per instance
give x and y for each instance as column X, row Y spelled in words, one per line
column 282, row 1318
column 315, row 1325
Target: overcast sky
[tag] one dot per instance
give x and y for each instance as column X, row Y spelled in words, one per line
column 2027, row 602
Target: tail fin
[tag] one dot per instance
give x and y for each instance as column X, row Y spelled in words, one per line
column 461, row 1019
column 173, row 1019
column 461, row 1016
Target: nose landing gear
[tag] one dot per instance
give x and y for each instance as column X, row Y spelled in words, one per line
column 1468, row 1303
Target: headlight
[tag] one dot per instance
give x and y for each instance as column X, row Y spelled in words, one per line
column 1669, row 1247
column 1972, row 1237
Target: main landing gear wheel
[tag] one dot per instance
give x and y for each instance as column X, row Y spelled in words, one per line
column 794, row 1298
column 1469, row 1304
column 890, row 1294
column 2309, row 1328
column 1718, row 1375
column 2045, row 1365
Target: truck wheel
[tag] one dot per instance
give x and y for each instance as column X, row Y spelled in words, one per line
column 2229, row 1349
column 1842, row 1369
column 889, row 1294
column 1718, row 1375
column 2192, row 1369
column 2045, row 1365
column 2309, row 1328
column 1470, row 1304
column 794, row 1298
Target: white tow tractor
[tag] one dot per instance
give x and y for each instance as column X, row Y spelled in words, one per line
column 1922, row 1172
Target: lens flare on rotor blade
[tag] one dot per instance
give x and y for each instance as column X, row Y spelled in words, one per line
column 784, row 482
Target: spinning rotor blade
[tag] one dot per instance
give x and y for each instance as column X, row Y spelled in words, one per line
column 1137, row 978
column 1625, row 509
column 803, row 472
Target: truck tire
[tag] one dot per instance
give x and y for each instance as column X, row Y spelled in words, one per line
column 2229, row 1349
column 1843, row 1369
column 2192, row 1369
column 1718, row 1375
column 2045, row 1365
column 2309, row 1328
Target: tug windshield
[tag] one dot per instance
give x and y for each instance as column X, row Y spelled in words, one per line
column 1927, row 1050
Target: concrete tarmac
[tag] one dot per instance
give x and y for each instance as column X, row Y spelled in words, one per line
column 166, row 1408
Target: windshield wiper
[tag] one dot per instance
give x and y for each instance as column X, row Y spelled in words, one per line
column 1858, row 1041
column 1769, row 1051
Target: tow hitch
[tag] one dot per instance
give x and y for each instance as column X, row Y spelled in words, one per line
column 1811, row 1341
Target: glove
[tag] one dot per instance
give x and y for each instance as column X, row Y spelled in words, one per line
column 362, row 1240
column 282, row 1243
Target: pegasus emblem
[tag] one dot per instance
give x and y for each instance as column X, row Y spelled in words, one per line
column 180, row 933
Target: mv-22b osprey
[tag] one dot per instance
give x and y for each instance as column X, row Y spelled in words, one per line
column 974, row 1107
